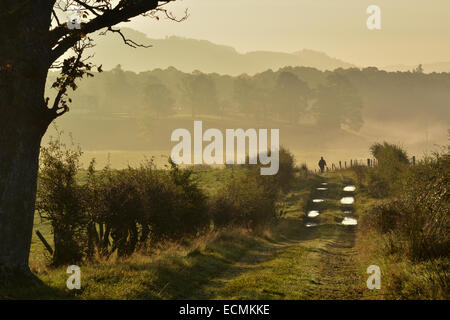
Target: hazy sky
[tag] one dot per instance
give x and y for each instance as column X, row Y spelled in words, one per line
column 413, row 31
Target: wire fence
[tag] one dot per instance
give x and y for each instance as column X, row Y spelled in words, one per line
column 346, row 164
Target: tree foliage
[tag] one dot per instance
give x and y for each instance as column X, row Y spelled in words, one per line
column 338, row 103
column 290, row 96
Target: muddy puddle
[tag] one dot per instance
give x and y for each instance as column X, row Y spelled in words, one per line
column 313, row 213
column 311, row 224
column 349, row 221
column 347, row 200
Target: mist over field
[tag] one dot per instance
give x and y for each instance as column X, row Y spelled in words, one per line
column 130, row 110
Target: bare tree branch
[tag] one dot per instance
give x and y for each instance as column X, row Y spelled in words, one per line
column 106, row 16
column 63, row 39
column 127, row 41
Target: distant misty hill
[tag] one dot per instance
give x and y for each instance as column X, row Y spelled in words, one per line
column 188, row 55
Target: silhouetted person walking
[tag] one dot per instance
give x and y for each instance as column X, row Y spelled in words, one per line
column 322, row 164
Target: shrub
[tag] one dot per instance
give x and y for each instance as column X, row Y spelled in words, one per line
column 115, row 210
column 189, row 203
column 386, row 216
column 303, row 170
column 286, row 173
column 124, row 210
column 386, row 178
column 360, row 172
column 144, row 204
column 421, row 215
column 96, row 207
column 59, row 200
column 377, row 184
column 248, row 199
column 224, row 212
column 387, row 152
column 255, row 200
column 427, row 197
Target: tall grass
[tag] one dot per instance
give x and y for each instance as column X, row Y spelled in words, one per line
column 414, row 217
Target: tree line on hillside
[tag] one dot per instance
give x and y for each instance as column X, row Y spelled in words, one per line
column 332, row 99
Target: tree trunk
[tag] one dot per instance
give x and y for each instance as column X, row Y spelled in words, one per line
column 24, row 118
column 21, row 131
column 19, row 154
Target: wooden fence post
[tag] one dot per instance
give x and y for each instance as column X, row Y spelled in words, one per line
column 414, row 160
column 340, row 164
column 46, row 245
